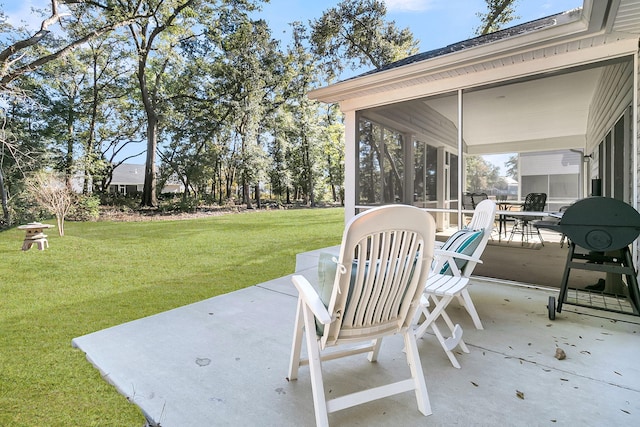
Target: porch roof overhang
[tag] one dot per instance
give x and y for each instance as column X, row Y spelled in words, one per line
column 486, row 67
column 600, row 30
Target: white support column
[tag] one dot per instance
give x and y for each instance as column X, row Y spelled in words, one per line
column 409, row 168
column 350, row 163
column 634, row 143
column 441, row 189
column 461, row 162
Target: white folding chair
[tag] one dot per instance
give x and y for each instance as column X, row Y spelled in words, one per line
column 381, row 272
column 453, row 264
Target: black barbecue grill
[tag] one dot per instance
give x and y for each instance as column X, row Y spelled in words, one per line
column 603, row 228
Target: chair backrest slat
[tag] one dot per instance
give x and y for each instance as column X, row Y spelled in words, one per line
column 386, row 254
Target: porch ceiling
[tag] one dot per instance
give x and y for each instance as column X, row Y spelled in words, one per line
column 549, row 108
column 503, row 118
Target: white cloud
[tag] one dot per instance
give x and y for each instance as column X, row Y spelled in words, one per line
column 408, row 5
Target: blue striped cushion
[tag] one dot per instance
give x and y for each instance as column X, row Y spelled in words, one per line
column 463, row 242
column 327, row 269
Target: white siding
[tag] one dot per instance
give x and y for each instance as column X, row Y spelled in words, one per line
column 613, row 94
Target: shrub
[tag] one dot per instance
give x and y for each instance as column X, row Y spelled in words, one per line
column 85, row 208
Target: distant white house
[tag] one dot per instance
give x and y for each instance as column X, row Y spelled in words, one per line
column 128, row 178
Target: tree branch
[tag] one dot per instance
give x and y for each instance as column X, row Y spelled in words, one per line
column 7, row 75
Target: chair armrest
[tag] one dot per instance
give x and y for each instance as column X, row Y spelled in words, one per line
column 452, row 254
column 311, row 299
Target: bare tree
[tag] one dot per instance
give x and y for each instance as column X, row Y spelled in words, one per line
column 52, row 194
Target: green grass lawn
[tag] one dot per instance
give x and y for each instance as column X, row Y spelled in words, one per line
column 106, row 273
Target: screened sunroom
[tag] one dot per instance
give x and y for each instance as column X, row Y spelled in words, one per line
column 548, row 106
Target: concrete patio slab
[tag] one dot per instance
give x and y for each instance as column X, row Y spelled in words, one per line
column 224, row 360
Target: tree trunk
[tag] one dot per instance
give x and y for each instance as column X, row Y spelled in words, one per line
column 307, row 164
column 68, row 161
column 246, row 195
column 6, row 216
column 257, row 191
column 149, row 197
column 90, row 143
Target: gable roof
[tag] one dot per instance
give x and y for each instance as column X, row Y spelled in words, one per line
column 128, row 174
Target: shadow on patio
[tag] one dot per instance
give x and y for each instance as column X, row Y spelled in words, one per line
column 223, row 361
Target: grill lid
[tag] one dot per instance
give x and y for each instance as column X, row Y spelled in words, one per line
column 601, row 223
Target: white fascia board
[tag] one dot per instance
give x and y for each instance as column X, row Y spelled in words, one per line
column 605, row 51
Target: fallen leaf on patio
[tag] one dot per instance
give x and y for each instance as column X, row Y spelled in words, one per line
column 560, row 354
column 474, row 384
column 617, row 373
column 585, row 352
column 626, row 412
column 564, row 379
column 520, row 394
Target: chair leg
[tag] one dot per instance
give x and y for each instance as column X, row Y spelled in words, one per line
column 540, row 236
column 315, row 369
column 517, row 227
column 372, row 356
column 430, row 316
column 413, row 359
column 456, row 333
column 471, row 309
column 298, row 331
column 447, row 346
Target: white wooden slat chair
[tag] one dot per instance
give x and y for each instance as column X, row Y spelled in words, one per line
column 453, row 264
column 381, row 271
